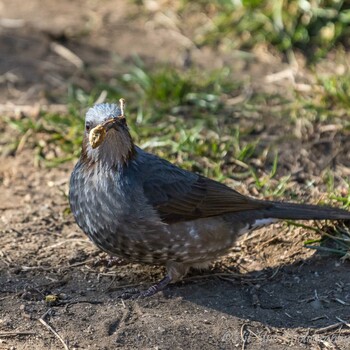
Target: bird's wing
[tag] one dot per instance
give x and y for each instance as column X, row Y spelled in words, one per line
column 179, row 195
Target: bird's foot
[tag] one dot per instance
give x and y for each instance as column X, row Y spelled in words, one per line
column 135, row 293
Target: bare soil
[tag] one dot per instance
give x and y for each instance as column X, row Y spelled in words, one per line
column 269, row 293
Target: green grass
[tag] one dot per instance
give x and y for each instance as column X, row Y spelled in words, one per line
column 336, row 91
column 180, row 115
column 327, row 101
column 167, row 90
column 55, row 138
column 335, row 239
column 313, row 27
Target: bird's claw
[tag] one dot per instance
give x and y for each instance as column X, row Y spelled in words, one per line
column 135, row 293
column 130, row 294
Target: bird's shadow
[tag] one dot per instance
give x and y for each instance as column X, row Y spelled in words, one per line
column 309, row 293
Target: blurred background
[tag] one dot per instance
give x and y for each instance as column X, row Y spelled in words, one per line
column 228, row 68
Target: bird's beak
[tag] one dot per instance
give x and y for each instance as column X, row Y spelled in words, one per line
column 109, row 124
column 98, row 134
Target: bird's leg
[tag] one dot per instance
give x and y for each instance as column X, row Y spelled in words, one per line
column 135, row 293
column 156, row 287
column 175, row 272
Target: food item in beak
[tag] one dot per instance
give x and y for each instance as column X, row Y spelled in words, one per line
column 97, row 135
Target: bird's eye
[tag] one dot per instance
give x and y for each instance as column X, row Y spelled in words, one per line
column 88, row 127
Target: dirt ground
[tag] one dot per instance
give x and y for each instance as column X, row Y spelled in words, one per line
column 269, row 293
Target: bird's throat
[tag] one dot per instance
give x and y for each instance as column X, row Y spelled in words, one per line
column 117, row 150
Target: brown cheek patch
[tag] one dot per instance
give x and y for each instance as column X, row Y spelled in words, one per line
column 97, row 135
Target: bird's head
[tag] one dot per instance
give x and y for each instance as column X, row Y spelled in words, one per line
column 106, row 138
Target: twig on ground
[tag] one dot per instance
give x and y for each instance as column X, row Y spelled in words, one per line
column 78, row 240
column 347, row 324
column 31, row 110
column 319, row 318
column 14, row 334
column 23, row 141
column 329, row 328
column 341, row 301
column 125, row 286
column 12, row 23
column 67, row 267
column 43, row 322
column 67, row 54
column 113, row 280
column 70, row 303
column 288, row 73
column 244, row 335
column 102, row 97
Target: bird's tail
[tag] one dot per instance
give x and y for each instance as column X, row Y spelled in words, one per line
column 292, row 211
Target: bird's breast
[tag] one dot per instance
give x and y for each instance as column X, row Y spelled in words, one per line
column 116, row 216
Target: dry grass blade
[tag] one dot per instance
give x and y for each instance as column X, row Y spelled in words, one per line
column 15, row 334
column 331, row 327
column 56, row 268
column 244, row 335
column 67, row 55
column 347, row 324
column 43, row 322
